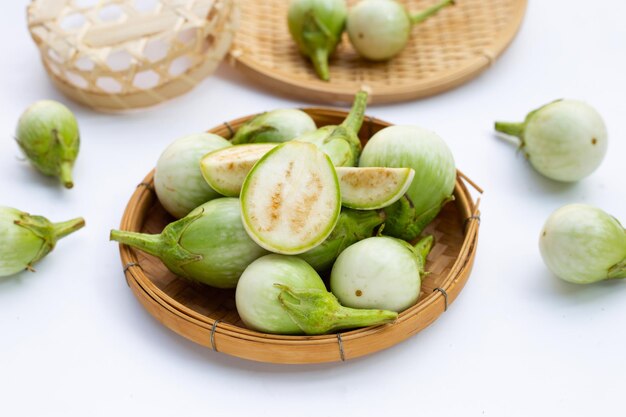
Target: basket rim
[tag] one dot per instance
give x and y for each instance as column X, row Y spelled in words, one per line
column 327, row 91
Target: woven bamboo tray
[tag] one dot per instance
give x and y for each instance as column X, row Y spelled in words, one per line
column 208, row 316
column 124, row 54
column 444, row 52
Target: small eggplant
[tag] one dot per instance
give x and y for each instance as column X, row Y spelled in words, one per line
column 565, row 140
column 25, row 239
column 209, row 245
column 380, row 272
column 47, row 133
column 380, row 29
column 316, row 26
column 178, row 181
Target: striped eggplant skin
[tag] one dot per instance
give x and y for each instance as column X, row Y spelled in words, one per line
column 178, row 181
column 209, row 245
column 434, row 181
column 26, row 239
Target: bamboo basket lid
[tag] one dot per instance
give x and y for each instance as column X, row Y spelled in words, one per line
column 208, row 315
column 444, row 52
column 125, row 54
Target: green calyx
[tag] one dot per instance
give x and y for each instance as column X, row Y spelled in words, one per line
column 318, row 312
column 421, row 249
column 342, row 141
column 48, row 135
column 165, row 246
column 352, row 226
column 618, row 270
column 48, row 232
column 319, row 42
column 403, row 221
column 517, row 129
column 255, row 131
column 418, row 18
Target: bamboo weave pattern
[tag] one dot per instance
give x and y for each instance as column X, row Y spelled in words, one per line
column 121, row 54
column 448, row 49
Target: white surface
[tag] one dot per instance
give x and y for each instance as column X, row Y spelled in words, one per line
column 517, row 342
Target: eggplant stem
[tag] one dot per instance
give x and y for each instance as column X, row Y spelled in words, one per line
column 357, row 112
column 319, row 58
column 63, row 229
column 151, row 244
column 65, row 174
column 319, row 312
column 419, row 17
column 350, row 318
column 512, row 129
column 422, row 249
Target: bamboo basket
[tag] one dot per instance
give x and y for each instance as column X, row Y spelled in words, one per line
column 126, row 54
column 444, row 52
column 208, row 316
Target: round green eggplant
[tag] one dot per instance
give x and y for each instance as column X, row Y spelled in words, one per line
column 209, row 245
column 47, row 133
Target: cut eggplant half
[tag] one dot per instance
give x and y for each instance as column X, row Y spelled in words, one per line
column 226, row 171
column 290, row 201
column 373, row 188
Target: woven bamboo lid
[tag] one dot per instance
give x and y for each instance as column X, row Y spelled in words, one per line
column 447, row 50
column 208, row 315
column 124, row 54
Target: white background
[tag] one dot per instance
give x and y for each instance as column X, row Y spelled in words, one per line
column 517, row 342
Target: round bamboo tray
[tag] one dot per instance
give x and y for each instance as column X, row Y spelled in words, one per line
column 208, row 315
column 446, row 51
column 125, row 54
